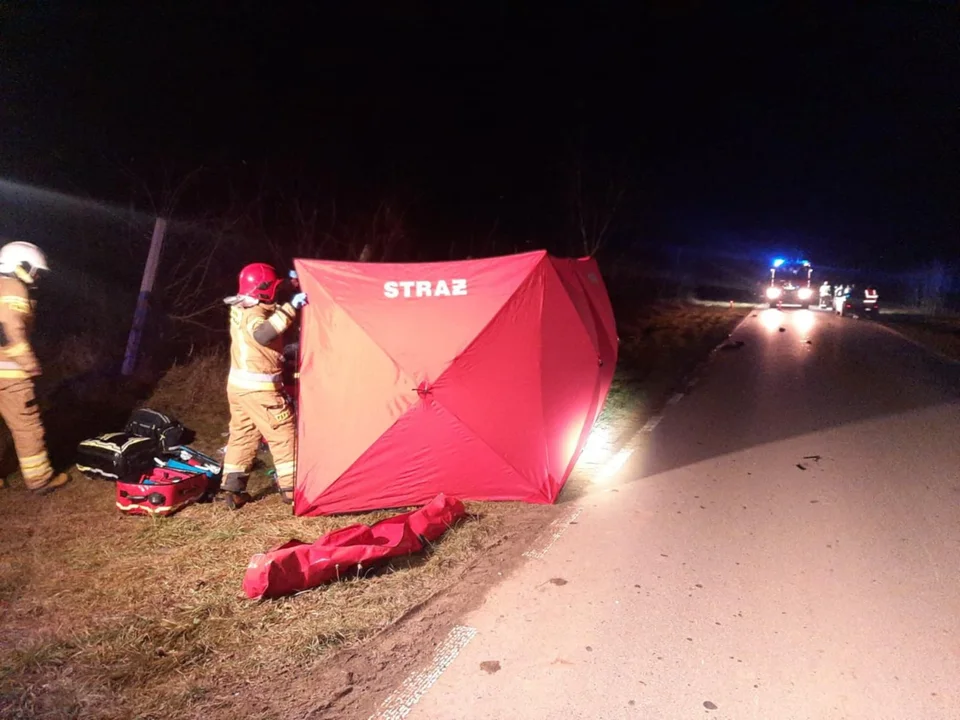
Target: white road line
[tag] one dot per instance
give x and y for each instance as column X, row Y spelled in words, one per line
column 675, row 399
column 556, row 529
column 651, row 424
column 400, row 703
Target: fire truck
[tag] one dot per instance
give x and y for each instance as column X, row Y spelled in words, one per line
column 790, row 283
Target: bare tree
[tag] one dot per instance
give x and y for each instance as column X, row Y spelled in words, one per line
column 200, row 260
column 933, row 283
column 380, row 237
column 320, row 230
column 596, row 203
column 482, row 243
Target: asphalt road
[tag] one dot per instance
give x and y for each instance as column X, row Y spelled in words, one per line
column 784, row 545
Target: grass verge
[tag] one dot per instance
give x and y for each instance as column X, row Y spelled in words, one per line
column 939, row 333
column 115, row 617
column 660, row 344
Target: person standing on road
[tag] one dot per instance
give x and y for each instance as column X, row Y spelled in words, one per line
column 258, row 407
column 826, row 294
column 21, row 266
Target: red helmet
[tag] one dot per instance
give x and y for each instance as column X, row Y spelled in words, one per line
column 259, row 281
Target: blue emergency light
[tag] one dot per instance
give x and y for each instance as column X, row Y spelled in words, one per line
column 778, row 262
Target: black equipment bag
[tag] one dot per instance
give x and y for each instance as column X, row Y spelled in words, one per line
column 117, row 456
column 167, row 431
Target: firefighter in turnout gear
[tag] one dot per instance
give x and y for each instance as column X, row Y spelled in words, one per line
column 21, row 265
column 258, row 407
column 826, row 295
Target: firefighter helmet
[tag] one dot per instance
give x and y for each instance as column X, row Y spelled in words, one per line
column 259, row 281
column 23, row 260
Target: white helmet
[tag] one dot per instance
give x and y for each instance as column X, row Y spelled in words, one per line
column 22, row 259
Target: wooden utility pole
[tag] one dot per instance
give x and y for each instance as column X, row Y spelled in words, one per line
column 143, row 301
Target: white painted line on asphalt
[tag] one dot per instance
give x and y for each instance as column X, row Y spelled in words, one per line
column 651, row 424
column 554, row 531
column 675, row 399
column 400, row 703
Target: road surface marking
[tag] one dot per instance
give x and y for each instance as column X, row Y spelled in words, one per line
column 675, row 399
column 651, row 424
column 556, row 529
column 401, row 702
column 614, row 464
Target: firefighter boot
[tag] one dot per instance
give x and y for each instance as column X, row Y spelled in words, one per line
column 234, row 501
column 233, row 491
column 48, row 486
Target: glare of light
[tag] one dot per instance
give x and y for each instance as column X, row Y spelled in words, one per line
column 773, row 293
column 770, row 318
column 610, row 468
column 597, row 448
column 804, row 293
column 22, row 192
column 805, row 263
column 778, row 262
column 804, row 320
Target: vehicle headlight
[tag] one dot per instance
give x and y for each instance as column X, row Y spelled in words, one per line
column 773, row 293
column 804, row 293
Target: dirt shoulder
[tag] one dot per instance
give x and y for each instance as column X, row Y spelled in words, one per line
column 115, row 617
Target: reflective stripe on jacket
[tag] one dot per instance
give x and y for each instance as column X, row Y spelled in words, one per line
column 246, row 380
column 254, row 366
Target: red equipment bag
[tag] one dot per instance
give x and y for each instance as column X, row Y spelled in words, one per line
column 296, row 566
column 161, row 492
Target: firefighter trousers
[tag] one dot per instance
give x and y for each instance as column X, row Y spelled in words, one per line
column 254, row 414
column 19, row 409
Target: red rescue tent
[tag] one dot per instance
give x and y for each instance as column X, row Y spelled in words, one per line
column 480, row 379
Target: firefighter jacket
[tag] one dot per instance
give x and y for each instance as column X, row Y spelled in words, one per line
column 256, row 346
column 16, row 320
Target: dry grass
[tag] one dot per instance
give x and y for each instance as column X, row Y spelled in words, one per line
column 115, row 617
column 941, row 334
column 196, row 392
column 659, row 344
column 144, row 617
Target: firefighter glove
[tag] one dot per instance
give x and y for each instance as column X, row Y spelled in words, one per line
column 299, row 300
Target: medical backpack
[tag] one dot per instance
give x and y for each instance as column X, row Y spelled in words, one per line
column 163, row 491
column 116, row 456
column 165, row 430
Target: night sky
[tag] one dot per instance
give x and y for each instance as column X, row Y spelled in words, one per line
column 831, row 127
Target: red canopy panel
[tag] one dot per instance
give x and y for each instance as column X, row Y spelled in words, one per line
column 480, row 379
